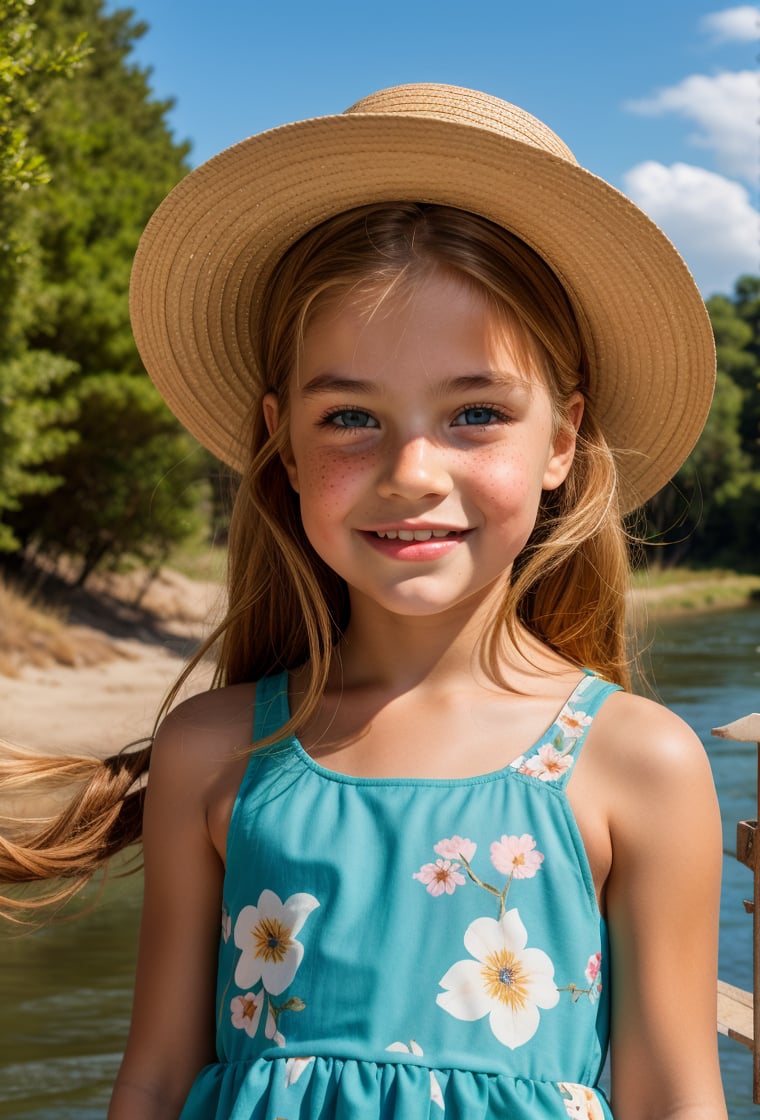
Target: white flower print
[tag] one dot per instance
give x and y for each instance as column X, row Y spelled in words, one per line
column 441, row 876
column 505, row 981
column 547, row 763
column 246, row 1011
column 581, row 1102
column 573, row 723
column 436, row 1095
column 270, row 1029
column 226, row 924
column 457, row 847
column 266, row 934
column 294, row 1067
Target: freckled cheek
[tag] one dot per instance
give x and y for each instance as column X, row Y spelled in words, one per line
column 328, row 485
column 502, row 481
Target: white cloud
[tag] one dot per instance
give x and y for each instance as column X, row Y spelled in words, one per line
column 709, row 219
column 733, row 25
column 725, row 107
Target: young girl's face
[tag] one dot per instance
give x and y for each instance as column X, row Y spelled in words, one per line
column 420, row 438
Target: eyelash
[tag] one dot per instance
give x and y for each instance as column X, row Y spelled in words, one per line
column 496, row 412
column 328, row 420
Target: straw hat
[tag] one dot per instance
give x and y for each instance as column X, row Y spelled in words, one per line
column 209, row 249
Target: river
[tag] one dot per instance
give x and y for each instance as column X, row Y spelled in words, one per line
column 66, row 989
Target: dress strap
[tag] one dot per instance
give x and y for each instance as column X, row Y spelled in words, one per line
column 574, row 721
column 272, row 709
column 553, row 758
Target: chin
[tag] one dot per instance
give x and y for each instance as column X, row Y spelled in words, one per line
column 421, row 605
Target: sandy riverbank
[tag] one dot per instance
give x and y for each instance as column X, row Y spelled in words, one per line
column 101, row 703
column 95, row 708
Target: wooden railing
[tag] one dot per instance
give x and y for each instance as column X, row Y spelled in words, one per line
column 739, row 1011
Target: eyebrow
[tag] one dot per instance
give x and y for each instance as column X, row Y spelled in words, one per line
column 464, row 383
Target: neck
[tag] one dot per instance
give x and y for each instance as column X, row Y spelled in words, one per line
column 397, row 652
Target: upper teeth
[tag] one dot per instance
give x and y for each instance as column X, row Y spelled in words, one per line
column 414, row 534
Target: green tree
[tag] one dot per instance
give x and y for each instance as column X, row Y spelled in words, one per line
column 33, row 422
column 710, row 512
column 130, row 479
column 136, row 505
column 747, row 373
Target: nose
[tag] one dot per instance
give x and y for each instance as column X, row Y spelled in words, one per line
column 416, row 469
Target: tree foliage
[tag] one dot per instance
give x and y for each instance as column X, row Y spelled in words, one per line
column 95, row 463
column 711, row 511
column 136, row 505
column 33, row 421
column 26, row 67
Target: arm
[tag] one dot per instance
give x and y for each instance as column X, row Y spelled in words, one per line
column 663, row 912
column 172, row 1031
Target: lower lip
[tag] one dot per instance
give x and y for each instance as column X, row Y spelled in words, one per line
column 397, row 549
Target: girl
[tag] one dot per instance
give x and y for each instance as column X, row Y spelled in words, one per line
column 460, row 856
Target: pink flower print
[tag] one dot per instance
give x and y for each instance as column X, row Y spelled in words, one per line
column 246, row 1012
column 593, row 970
column 547, row 763
column 515, row 856
column 593, row 967
column 456, row 848
column 443, row 875
column 573, row 723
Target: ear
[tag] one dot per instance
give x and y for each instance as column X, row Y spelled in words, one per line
column 563, row 448
column 271, row 409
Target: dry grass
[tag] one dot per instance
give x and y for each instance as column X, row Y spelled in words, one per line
column 35, row 635
column 74, row 627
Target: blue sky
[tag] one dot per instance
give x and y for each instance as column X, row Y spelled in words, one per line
column 662, row 99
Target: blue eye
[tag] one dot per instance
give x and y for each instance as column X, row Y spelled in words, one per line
column 477, row 416
column 350, row 418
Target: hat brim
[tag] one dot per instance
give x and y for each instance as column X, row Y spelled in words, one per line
column 208, row 251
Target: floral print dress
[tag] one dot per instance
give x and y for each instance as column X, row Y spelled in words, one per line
column 408, row 948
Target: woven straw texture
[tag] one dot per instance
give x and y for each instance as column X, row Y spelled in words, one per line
column 208, row 251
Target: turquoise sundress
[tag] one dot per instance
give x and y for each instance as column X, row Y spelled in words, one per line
column 408, row 948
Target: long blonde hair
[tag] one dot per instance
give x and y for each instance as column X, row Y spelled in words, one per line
column 286, row 607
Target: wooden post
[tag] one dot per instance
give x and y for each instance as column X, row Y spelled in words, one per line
column 734, row 1005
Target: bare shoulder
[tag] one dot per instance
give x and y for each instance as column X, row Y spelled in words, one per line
column 199, row 757
column 643, row 776
column 648, row 771
column 208, row 727
column 642, row 739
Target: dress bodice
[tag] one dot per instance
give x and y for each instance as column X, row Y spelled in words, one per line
column 407, row 948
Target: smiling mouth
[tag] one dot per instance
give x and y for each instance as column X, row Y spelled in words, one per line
column 417, row 534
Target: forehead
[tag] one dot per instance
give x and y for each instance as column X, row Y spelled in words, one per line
column 441, row 317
